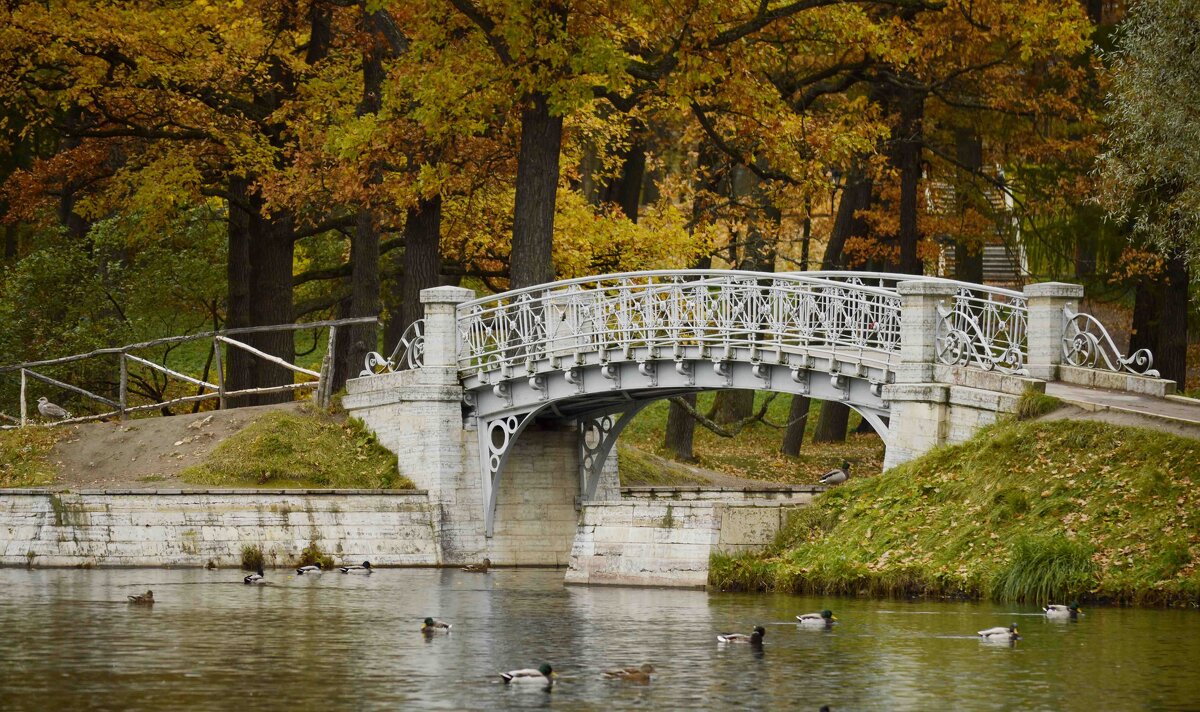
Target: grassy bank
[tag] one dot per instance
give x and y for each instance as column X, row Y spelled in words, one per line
column 307, row 449
column 25, row 457
column 1025, row 511
column 754, row 452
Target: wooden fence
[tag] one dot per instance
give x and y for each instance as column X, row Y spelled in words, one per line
column 121, row 407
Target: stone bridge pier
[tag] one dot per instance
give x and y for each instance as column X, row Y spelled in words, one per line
column 419, row 415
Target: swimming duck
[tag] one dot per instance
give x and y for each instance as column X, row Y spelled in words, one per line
column 143, row 599
column 632, row 674
column 838, row 476
column 754, row 638
column 1055, row 610
column 1000, row 633
column 310, row 569
column 544, row 675
column 478, row 568
column 255, row 578
column 364, row 569
column 433, row 625
column 824, row 619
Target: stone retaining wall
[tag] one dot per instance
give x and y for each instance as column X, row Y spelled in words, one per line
column 192, row 528
column 666, row 543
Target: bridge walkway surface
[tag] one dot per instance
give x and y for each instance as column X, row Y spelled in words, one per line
column 1171, row 413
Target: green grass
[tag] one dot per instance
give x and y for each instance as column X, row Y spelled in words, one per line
column 754, row 452
column 1025, row 511
column 25, row 456
column 639, row 470
column 307, row 449
column 1034, row 405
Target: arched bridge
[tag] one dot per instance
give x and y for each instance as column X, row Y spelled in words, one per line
column 594, row 351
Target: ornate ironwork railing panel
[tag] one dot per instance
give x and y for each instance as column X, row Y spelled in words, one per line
column 984, row 328
column 408, row 354
column 1086, row 343
column 614, row 315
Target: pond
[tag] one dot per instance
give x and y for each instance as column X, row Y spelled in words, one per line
column 353, row 642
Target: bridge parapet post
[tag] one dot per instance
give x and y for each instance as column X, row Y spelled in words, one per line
column 1046, row 323
column 919, row 328
column 441, row 325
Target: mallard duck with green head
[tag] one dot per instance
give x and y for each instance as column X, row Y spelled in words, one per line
column 1071, row 611
column 433, row 625
column 1000, row 633
column 544, row 675
column 824, row 619
column 755, row 638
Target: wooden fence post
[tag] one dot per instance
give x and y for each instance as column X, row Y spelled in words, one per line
column 124, row 392
column 220, row 373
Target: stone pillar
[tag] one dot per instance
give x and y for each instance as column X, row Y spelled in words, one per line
column 1044, row 330
column 418, row 415
column 919, row 419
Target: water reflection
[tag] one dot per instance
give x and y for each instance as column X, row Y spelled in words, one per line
column 333, row 641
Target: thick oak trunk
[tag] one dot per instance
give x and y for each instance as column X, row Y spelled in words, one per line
column 422, row 263
column 968, row 252
column 793, row 434
column 907, row 157
column 537, row 183
column 239, row 365
column 271, row 251
column 681, row 431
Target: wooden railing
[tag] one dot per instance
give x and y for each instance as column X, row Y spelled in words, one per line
column 121, row 407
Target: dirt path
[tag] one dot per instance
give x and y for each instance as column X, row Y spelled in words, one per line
column 148, row 453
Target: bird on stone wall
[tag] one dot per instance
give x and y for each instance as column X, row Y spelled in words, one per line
column 50, row 410
column 838, row 476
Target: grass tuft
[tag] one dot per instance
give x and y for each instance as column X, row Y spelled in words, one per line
column 252, row 557
column 25, row 456
column 1033, row 404
column 306, row 449
column 313, row 554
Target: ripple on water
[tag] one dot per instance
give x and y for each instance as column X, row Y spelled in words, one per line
column 348, row 642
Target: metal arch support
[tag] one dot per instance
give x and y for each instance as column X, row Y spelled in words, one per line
column 597, row 436
column 876, row 421
column 496, row 438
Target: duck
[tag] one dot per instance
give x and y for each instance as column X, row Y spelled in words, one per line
column 433, row 625
column 143, row 599
column 365, row 568
column 838, row 476
column 481, row 568
column 543, row 674
column 754, row 638
column 1070, row 611
column 1000, row 633
column 824, row 619
column 310, row 569
column 640, row 673
column 255, row 577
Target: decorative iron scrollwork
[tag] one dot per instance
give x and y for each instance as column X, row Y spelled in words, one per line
column 408, row 354
column 1086, row 343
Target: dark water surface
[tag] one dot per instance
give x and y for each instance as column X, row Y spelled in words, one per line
column 348, row 642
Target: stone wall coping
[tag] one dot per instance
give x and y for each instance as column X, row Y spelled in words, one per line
column 222, row 492
column 446, row 295
column 928, row 287
column 1064, row 290
column 799, row 489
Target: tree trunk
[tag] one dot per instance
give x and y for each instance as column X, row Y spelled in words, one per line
column 239, row 365
column 793, row 434
column 681, row 431
column 271, row 251
column 832, row 424
column 968, row 252
column 10, row 242
column 422, row 262
column 732, row 406
column 626, row 191
column 1144, row 331
column 908, row 142
column 537, row 183
column 1171, row 357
